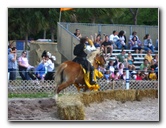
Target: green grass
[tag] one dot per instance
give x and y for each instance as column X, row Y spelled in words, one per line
column 28, row 95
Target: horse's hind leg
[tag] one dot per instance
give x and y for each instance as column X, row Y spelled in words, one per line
column 63, row 86
column 79, row 87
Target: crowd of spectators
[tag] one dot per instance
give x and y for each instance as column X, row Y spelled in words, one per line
column 116, row 69
column 43, row 71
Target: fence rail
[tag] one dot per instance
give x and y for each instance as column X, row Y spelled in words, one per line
column 34, row 87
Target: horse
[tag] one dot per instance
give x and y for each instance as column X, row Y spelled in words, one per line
column 70, row 72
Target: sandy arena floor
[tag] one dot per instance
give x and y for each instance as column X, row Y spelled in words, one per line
column 108, row 110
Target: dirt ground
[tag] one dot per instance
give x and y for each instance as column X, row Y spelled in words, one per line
column 109, row 110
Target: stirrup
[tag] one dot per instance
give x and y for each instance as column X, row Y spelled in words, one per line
column 92, row 82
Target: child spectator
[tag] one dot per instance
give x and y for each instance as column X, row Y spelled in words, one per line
column 130, row 61
column 152, row 75
column 41, row 70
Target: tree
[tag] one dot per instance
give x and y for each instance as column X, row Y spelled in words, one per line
column 134, row 12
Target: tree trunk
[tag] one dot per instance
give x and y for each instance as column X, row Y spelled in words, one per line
column 134, row 12
column 44, row 34
column 26, row 41
column 52, row 35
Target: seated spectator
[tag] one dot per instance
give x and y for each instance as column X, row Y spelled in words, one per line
column 97, row 41
column 122, row 40
column 143, row 76
column 148, row 45
column 78, row 34
column 114, row 38
column 152, row 75
column 130, row 61
column 138, row 76
column 41, row 70
column 156, row 58
column 107, row 75
column 152, row 65
column 120, row 68
column 123, row 76
column 134, row 33
column 115, row 76
column 24, row 66
column 148, row 56
column 145, row 64
column 49, row 64
column 137, row 46
column 110, row 67
column 107, row 46
column 12, row 63
column 122, row 56
column 156, row 46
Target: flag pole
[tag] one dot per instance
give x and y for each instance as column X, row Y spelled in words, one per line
column 60, row 16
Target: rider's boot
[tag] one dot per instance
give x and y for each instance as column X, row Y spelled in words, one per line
column 92, row 81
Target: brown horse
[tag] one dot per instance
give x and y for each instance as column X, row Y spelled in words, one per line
column 70, row 72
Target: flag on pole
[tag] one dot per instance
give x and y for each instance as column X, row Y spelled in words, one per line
column 65, row 9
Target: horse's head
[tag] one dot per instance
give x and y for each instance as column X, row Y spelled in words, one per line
column 100, row 60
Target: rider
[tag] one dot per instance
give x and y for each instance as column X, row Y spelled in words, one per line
column 79, row 52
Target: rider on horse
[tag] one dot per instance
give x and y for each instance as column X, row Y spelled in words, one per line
column 79, row 52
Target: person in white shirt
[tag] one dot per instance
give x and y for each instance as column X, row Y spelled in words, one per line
column 49, row 64
column 114, row 38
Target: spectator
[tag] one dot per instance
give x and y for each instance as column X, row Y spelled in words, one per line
column 130, row 61
column 77, row 33
column 10, row 48
column 97, row 41
column 148, row 56
column 145, row 64
column 156, row 46
column 115, row 76
column 24, row 66
column 156, row 58
column 41, row 70
column 122, row 56
column 120, row 68
column 122, row 40
column 110, row 67
column 134, row 33
column 12, row 63
column 114, row 38
column 148, row 45
column 123, row 76
column 137, row 46
column 107, row 46
column 49, row 64
column 152, row 75
column 138, row 76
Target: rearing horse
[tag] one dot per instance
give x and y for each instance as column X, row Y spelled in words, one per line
column 70, row 72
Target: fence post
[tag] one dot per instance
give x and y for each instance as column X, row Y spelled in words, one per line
column 99, row 28
column 127, row 79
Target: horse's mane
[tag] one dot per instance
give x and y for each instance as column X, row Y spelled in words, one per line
column 92, row 55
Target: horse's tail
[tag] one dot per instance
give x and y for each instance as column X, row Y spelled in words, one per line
column 59, row 75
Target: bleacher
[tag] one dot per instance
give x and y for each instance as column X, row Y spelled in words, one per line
column 137, row 59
